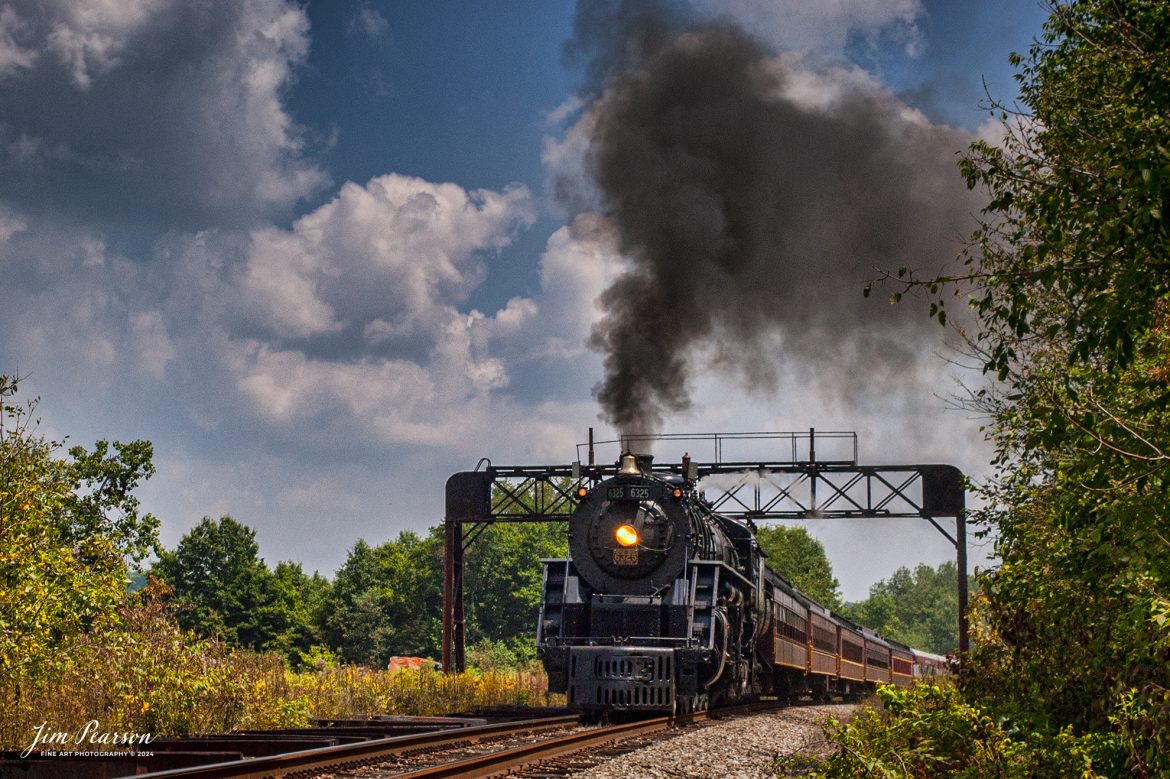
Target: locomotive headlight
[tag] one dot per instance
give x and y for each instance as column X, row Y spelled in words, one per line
column 626, row 535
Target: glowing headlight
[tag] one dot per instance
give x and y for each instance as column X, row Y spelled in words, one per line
column 626, row 535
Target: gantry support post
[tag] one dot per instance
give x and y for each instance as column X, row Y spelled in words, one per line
column 453, row 637
column 944, row 495
column 961, row 559
column 468, row 500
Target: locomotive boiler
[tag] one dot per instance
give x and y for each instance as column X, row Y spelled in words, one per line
column 665, row 605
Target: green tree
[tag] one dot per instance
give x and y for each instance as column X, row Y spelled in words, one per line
column 1074, row 303
column 502, row 581
column 298, row 607
column 221, row 585
column 386, row 600
column 1070, row 281
column 919, row 608
column 503, row 575
column 801, row 559
column 66, row 528
column 102, row 502
column 354, row 603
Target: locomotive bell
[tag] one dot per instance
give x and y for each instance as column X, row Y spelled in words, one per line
column 629, row 466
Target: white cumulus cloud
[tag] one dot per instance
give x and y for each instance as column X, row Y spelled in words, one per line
column 389, row 259
column 176, row 109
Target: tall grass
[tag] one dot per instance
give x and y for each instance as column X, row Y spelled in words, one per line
column 152, row 677
column 349, row 691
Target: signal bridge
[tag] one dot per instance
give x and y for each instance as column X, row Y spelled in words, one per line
column 798, row 486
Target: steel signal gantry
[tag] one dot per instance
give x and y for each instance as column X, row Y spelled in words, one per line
column 751, row 491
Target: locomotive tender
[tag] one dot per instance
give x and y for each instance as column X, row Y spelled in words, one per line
column 664, row 605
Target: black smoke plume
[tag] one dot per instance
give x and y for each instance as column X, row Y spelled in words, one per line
column 754, row 201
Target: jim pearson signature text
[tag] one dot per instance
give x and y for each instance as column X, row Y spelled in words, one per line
column 90, row 733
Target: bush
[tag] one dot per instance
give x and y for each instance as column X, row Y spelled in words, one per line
column 151, row 676
column 516, row 654
column 929, row 730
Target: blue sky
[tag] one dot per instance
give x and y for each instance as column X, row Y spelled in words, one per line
column 313, row 253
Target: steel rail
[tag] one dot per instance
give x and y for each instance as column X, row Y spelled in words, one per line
column 364, row 751
column 506, row 760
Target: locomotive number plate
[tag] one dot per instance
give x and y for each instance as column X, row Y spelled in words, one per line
column 625, row 557
column 629, row 492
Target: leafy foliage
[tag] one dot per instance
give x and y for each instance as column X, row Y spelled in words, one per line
column 151, row 676
column 386, row 600
column 77, row 644
column 1070, row 280
column 932, row 730
column 301, row 600
column 1075, row 255
column 916, row 607
column 102, row 502
column 801, row 559
column 224, row 589
column 65, row 527
column 1075, row 304
column 503, row 579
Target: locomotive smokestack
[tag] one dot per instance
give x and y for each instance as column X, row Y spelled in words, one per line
column 753, row 201
column 638, row 443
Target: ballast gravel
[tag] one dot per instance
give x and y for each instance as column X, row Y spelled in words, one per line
column 739, row 748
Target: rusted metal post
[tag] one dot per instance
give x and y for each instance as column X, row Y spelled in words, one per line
column 453, row 655
column 457, row 610
column 944, row 495
column 961, row 560
column 468, row 502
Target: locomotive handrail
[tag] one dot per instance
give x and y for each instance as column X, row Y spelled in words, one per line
column 639, row 441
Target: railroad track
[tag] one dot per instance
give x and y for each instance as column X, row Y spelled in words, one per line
column 310, row 761
column 560, row 755
column 413, row 749
column 510, row 760
column 548, row 746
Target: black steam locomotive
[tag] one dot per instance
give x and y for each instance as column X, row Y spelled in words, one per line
column 664, row 605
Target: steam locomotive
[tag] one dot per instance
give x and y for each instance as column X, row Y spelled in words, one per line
column 665, row 605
